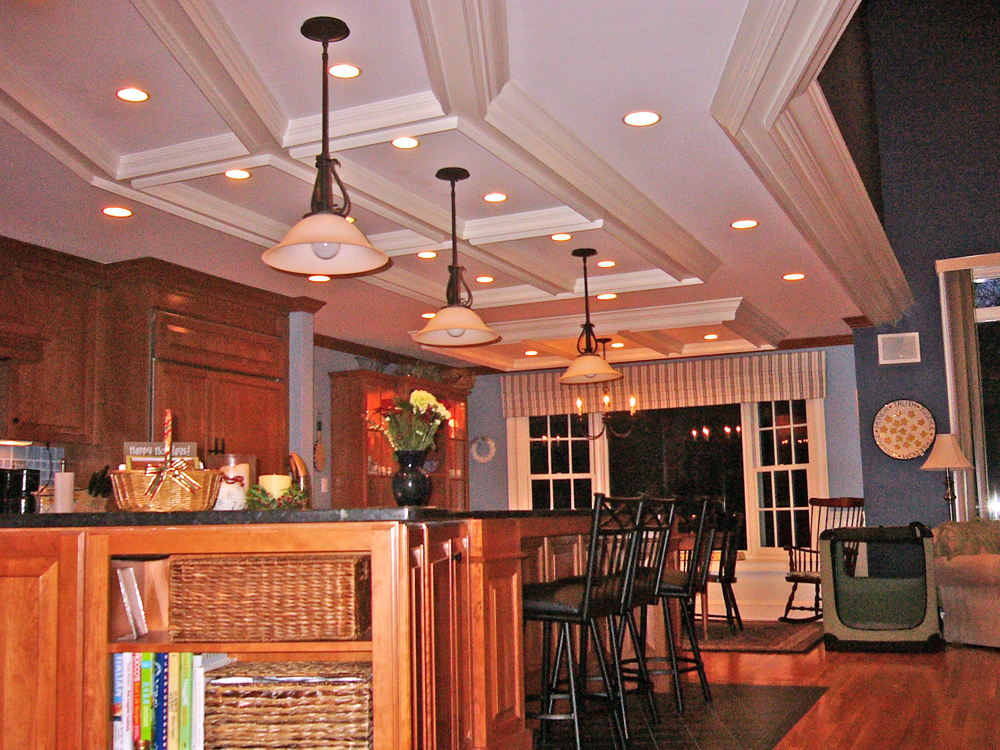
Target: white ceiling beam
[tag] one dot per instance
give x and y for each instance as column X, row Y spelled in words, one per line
column 752, row 325
column 180, row 156
column 655, row 340
column 259, row 229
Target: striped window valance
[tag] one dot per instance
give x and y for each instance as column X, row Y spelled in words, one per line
column 665, row 385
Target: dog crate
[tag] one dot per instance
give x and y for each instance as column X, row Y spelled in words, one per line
column 879, row 589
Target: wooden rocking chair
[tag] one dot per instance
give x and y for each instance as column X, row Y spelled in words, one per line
column 803, row 562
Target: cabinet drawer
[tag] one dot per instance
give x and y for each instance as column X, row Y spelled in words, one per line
column 179, row 338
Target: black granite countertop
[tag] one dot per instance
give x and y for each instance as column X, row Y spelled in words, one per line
column 228, row 518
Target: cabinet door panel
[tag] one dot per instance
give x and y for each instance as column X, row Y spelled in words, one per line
column 250, row 415
column 185, row 391
column 40, row 651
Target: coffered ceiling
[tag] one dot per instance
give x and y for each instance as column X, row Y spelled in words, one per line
column 528, row 96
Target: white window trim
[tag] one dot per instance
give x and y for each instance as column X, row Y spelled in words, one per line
column 816, row 473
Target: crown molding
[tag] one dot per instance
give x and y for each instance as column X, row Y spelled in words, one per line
column 621, row 283
column 657, row 341
column 240, row 222
column 770, row 105
column 180, row 156
column 541, row 223
column 198, row 171
column 751, row 325
column 407, row 284
column 303, row 136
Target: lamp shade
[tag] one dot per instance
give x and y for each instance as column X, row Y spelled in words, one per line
column 456, row 325
column 325, row 243
column 946, row 454
column 589, row 368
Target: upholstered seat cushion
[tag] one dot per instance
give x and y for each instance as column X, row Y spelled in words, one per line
column 563, row 599
column 674, row 582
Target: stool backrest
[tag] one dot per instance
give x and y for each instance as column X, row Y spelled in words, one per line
column 704, row 525
column 613, row 539
column 729, row 546
column 655, row 521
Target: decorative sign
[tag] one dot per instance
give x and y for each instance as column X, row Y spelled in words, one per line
column 904, row 429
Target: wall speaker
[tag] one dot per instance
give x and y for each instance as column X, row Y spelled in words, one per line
column 898, row 348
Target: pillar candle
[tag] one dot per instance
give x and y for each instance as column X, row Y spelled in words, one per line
column 233, row 494
column 275, row 484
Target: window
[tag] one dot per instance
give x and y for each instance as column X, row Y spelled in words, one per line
column 560, row 463
column 785, row 470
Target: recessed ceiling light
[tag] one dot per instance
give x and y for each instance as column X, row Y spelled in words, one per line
column 744, row 224
column 531, row 353
column 609, row 295
column 618, row 345
column 319, row 278
column 606, row 263
column 118, row 212
column 345, row 71
column 484, row 279
column 350, row 219
column 793, row 276
column 237, row 174
column 406, row 142
column 427, row 316
column 979, row 281
column 711, row 336
column 427, row 254
column 494, row 198
column 132, row 95
column 562, row 237
column 641, row 119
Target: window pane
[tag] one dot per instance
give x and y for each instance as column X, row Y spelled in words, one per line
column 765, row 414
column 559, row 425
column 581, row 456
column 802, row 528
column 538, row 427
column 540, row 494
column 800, row 488
column 561, row 497
column 766, row 491
column 801, row 434
column 784, row 529
column 579, row 426
column 583, row 497
column 767, row 528
column 782, row 413
column 767, row 448
column 782, row 492
column 559, row 450
column 539, row 456
column 784, row 435
column 799, row 411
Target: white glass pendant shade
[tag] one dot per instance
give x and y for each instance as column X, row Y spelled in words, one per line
column 589, row 368
column 456, row 325
column 325, row 243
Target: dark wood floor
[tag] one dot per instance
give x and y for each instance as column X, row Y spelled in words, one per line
column 944, row 701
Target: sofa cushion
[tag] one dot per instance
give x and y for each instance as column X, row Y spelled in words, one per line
column 969, row 571
column 977, row 537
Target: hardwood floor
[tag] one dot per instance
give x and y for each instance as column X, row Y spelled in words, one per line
column 944, row 701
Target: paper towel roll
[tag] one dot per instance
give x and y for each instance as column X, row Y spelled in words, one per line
column 63, row 500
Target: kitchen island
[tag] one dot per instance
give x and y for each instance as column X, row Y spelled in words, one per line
column 445, row 641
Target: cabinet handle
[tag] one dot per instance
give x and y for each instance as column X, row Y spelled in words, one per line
column 15, row 420
column 457, row 557
column 223, row 445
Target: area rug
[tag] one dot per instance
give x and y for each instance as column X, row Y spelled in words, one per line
column 764, row 637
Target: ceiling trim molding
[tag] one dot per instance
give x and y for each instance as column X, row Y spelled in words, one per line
column 180, row 156
column 527, row 224
column 771, row 107
column 655, row 340
column 241, row 222
column 751, row 325
column 302, row 136
column 408, row 285
column 629, row 214
column 638, row 281
column 200, row 170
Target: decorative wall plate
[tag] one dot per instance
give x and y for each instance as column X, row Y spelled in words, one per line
column 904, row 429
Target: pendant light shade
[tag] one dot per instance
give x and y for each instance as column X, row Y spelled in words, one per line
column 457, row 324
column 325, row 242
column 589, row 366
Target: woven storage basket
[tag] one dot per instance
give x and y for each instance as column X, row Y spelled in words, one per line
column 130, row 491
column 270, row 598
column 315, row 705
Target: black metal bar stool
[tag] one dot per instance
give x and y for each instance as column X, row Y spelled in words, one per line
column 582, row 601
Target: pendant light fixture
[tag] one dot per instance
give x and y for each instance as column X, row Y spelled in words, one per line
column 325, row 242
column 589, row 366
column 456, row 324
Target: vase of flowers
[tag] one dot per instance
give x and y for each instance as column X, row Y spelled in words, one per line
column 410, row 425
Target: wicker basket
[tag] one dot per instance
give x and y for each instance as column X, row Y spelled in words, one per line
column 130, row 492
column 316, row 705
column 270, row 598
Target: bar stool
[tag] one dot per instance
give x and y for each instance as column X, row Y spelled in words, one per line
column 682, row 585
column 582, row 601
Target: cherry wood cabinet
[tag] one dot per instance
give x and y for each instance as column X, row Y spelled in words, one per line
column 50, row 329
column 361, row 458
column 41, row 646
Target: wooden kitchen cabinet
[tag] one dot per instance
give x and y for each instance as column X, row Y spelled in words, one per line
column 361, row 458
column 41, row 648
column 50, row 330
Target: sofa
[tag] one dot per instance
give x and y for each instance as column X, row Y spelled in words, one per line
column 967, row 568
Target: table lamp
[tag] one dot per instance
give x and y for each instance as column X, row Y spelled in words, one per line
column 947, row 455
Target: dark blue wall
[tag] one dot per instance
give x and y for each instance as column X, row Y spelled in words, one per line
column 936, row 72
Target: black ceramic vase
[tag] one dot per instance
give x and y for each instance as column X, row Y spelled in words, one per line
column 410, row 485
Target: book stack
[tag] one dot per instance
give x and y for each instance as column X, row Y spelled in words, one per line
column 159, row 699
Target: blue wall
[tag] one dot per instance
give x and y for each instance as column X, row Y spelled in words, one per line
column 936, row 73
column 488, row 481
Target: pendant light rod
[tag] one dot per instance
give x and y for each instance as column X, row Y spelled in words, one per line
column 325, row 30
column 587, row 343
column 456, row 280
